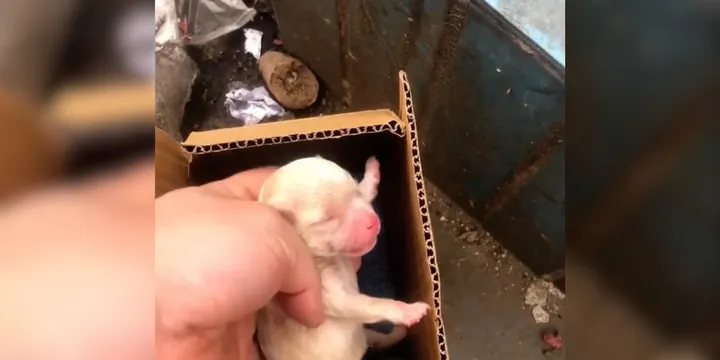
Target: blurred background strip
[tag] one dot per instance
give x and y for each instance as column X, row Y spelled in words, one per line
column 86, row 70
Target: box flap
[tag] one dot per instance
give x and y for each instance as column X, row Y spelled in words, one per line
column 315, row 127
column 171, row 164
column 423, row 216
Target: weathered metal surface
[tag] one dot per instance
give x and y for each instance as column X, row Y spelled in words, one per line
column 493, row 122
column 490, row 103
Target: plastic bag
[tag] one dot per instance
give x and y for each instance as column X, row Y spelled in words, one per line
column 166, row 23
column 201, row 21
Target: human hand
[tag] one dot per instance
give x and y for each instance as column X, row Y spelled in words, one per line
column 76, row 269
column 220, row 257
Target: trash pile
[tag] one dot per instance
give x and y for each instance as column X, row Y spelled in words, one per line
column 242, row 76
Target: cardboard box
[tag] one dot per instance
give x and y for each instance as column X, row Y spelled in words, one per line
column 348, row 139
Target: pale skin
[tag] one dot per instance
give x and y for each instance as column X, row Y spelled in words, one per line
column 78, row 278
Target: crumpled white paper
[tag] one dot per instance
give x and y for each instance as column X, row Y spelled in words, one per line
column 252, row 106
column 253, row 42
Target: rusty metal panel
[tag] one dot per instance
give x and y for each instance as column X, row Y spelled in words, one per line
column 532, row 224
column 493, row 118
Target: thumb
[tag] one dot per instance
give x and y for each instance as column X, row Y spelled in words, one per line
column 300, row 289
column 244, row 185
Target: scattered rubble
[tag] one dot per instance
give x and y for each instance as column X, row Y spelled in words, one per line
column 470, row 237
column 544, row 299
column 552, row 340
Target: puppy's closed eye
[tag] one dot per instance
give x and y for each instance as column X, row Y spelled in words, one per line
column 328, row 221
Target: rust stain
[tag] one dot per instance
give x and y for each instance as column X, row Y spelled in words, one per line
column 343, row 16
column 441, row 76
column 369, row 27
column 409, row 50
column 366, row 21
column 522, row 175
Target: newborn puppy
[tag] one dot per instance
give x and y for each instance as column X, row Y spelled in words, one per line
column 333, row 214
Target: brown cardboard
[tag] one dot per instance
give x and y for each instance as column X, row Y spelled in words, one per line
column 347, row 139
column 171, row 164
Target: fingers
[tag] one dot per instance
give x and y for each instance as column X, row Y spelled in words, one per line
column 244, row 185
column 254, row 255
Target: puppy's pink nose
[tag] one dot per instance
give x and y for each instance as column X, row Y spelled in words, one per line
column 371, row 223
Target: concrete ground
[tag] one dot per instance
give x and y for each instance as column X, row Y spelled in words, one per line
column 483, row 291
column 483, row 303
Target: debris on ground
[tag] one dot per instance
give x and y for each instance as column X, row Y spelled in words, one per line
column 253, row 42
column 224, row 61
column 470, row 237
column 469, row 233
column 544, row 299
column 552, row 340
column 251, row 106
column 290, row 81
column 540, row 315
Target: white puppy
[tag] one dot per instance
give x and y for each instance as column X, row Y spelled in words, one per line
column 334, row 216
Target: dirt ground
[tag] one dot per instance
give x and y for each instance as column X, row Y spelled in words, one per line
column 483, row 291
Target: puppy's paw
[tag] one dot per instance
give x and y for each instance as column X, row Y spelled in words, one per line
column 408, row 314
column 415, row 312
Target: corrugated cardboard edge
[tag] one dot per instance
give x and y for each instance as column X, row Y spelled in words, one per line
column 316, row 128
column 407, row 115
column 172, row 164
